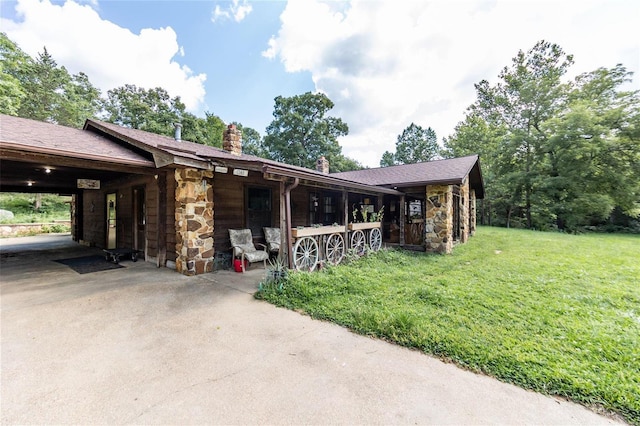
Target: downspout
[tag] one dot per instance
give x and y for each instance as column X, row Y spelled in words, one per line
column 287, row 200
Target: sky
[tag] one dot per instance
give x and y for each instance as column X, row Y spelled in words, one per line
column 384, row 63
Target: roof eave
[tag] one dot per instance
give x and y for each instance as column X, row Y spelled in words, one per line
column 328, row 180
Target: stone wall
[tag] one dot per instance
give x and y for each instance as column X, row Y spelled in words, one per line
column 194, row 221
column 439, row 219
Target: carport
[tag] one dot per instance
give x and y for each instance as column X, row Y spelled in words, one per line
column 39, row 157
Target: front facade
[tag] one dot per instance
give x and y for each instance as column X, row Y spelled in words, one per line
column 176, row 200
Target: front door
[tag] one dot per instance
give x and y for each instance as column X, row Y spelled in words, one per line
column 111, row 221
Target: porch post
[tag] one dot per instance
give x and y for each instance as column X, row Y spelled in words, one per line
column 194, row 221
column 161, row 258
column 439, row 221
column 284, row 247
column 345, row 206
column 402, row 219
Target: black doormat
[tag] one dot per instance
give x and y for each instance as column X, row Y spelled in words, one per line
column 88, row 264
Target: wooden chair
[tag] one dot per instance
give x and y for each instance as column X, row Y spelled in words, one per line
column 273, row 239
column 243, row 247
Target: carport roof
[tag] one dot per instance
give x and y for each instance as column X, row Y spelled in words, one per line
column 45, row 138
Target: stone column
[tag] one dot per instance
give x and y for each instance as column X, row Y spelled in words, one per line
column 194, row 221
column 439, row 219
column 464, row 211
column 472, row 212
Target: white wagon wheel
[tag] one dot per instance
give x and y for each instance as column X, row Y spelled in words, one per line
column 358, row 241
column 334, row 249
column 375, row 239
column 305, row 254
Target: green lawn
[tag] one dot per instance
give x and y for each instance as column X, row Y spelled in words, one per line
column 552, row 312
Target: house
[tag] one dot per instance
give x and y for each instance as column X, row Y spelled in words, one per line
column 176, row 200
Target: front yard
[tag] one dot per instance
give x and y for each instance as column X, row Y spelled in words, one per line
column 556, row 313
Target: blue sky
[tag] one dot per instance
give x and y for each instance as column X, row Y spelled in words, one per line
column 384, row 63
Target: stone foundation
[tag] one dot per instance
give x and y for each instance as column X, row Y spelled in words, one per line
column 194, row 221
column 439, row 219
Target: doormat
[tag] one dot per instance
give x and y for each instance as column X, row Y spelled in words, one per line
column 88, row 264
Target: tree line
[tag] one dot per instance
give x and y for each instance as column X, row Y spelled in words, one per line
column 555, row 153
column 39, row 89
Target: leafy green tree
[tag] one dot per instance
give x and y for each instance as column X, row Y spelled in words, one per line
column 14, row 65
column 342, row 163
column 152, row 110
column 300, row 132
column 414, row 145
column 45, row 83
column 251, row 141
column 528, row 93
column 206, row 131
column 53, row 94
column 81, row 100
column 554, row 154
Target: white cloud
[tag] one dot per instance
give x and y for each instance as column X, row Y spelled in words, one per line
column 236, row 10
column 110, row 55
column 388, row 63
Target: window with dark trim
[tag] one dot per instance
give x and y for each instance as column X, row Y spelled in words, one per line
column 258, row 209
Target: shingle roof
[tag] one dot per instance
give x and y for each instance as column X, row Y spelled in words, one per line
column 39, row 136
column 449, row 171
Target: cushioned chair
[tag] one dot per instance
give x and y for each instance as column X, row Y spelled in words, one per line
column 243, row 247
column 272, row 237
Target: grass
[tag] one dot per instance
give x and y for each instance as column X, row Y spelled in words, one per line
column 52, row 207
column 555, row 313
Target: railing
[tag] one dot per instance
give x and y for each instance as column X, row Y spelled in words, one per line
column 318, row 244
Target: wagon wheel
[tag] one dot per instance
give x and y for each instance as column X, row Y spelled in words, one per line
column 375, row 239
column 305, row 254
column 358, row 242
column 334, row 249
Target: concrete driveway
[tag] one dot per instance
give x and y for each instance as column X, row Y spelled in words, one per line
column 141, row 345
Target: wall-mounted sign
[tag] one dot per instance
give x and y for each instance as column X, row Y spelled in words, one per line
column 241, row 172
column 88, row 184
column 221, row 169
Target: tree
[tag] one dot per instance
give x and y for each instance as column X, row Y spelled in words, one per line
column 300, row 132
column 80, row 100
column 529, row 92
column 554, row 154
column 414, row 145
column 251, row 141
column 206, row 131
column 53, row 94
column 152, row 110
column 45, row 83
column 14, row 64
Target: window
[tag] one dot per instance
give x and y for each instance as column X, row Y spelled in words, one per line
column 258, row 209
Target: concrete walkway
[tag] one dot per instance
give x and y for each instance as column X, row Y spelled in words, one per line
column 141, row 345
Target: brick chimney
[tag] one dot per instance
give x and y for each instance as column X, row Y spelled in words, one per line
column 232, row 140
column 322, row 165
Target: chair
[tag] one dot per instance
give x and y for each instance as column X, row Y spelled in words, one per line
column 273, row 238
column 243, row 247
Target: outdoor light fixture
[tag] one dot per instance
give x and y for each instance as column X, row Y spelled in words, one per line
column 29, row 183
column 47, row 170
